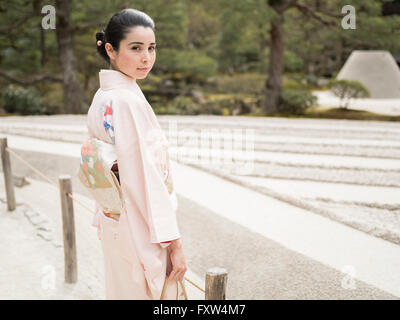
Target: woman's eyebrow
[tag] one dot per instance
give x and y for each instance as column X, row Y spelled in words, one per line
column 139, row 42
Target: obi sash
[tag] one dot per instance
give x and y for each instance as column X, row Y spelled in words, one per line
column 96, row 173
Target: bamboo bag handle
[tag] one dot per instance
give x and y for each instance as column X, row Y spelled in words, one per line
column 165, row 285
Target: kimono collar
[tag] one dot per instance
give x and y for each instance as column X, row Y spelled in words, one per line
column 110, row 79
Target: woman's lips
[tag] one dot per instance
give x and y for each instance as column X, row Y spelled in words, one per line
column 144, row 69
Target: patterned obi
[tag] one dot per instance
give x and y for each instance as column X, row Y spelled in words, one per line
column 98, row 172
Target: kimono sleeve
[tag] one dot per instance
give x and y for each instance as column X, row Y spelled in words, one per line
column 141, row 182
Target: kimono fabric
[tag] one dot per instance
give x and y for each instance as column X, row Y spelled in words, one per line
column 134, row 241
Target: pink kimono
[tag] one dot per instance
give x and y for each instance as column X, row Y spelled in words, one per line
column 135, row 247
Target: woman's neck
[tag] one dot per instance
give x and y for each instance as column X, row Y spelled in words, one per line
column 116, row 69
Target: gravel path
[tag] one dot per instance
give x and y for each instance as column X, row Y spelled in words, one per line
column 32, row 265
column 330, row 152
column 328, row 187
column 275, row 272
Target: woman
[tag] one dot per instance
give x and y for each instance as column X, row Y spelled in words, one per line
column 141, row 245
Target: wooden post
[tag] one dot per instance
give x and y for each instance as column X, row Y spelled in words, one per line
column 8, row 178
column 216, row 279
column 67, row 208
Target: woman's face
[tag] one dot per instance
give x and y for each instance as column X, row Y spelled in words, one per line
column 136, row 51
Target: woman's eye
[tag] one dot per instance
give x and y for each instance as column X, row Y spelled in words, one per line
column 150, row 48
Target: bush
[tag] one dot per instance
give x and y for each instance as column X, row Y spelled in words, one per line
column 292, row 62
column 223, row 104
column 240, row 83
column 228, row 104
column 291, row 84
column 179, row 105
column 295, row 101
column 24, row 101
column 216, row 104
column 189, row 65
column 311, row 80
column 347, row 90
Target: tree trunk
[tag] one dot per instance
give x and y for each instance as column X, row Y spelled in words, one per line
column 339, row 53
column 274, row 82
column 73, row 95
column 43, row 57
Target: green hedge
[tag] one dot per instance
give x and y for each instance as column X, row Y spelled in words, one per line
column 24, row 101
column 238, row 83
column 188, row 65
column 296, row 101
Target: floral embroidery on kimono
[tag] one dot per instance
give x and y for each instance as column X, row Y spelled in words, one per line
column 107, row 111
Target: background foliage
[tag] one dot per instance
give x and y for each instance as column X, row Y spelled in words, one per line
column 214, row 54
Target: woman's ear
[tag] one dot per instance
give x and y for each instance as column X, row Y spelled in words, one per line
column 110, row 51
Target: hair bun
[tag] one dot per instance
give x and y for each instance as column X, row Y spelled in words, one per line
column 100, row 36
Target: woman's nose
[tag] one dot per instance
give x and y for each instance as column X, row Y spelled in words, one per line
column 146, row 56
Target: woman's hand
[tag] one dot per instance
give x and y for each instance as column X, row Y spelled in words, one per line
column 179, row 267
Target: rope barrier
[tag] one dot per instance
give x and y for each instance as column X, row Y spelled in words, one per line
column 48, row 179
column 201, row 289
column 71, row 196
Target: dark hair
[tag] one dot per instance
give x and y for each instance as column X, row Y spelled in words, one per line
column 117, row 28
